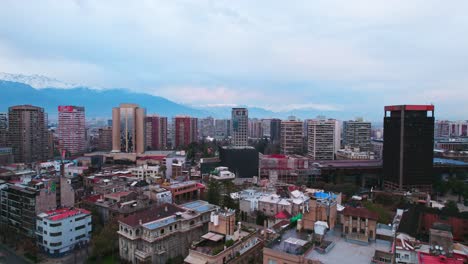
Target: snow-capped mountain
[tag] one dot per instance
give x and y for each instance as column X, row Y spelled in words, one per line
column 36, row 81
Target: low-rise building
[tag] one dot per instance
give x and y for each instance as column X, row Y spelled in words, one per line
column 163, row 232
column 354, row 154
column 185, row 191
column 225, row 242
column 221, row 174
column 147, row 173
column 60, row 231
column 359, row 224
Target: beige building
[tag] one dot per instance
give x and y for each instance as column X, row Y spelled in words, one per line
column 319, row 210
column 239, row 126
column 321, row 139
column 359, row 224
column 160, row 233
column 128, row 128
column 291, row 137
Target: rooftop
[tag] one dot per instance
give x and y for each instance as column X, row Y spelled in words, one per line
column 152, row 214
column 60, row 214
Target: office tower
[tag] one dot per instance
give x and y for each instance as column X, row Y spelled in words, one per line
column 27, row 133
column 156, row 132
column 357, row 134
column 240, row 125
column 222, row 128
column 408, row 147
column 185, row 130
column 275, row 130
column 292, row 141
column 128, row 128
column 105, row 138
column 442, row 128
column 321, row 141
column 3, row 129
column 71, row 129
column 255, row 128
column 207, row 127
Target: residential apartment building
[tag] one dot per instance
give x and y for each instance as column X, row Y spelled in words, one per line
column 357, row 134
column 185, row 131
column 321, row 140
column 72, row 129
column 240, row 126
column 128, row 128
column 222, row 128
column 207, row 127
column 21, row 204
column 27, row 133
column 291, row 137
column 163, row 232
column 60, row 231
column 255, row 128
column 156, row 132
column 105, row 138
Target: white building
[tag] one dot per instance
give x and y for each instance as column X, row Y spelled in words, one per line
column 222, row 173
column 60, row 231
column 322, row 139
column 146, row 172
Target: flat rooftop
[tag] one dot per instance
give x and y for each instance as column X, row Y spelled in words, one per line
column 60, row 214
column 346, row 252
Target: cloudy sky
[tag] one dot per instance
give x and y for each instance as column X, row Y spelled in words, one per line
column 346, row 56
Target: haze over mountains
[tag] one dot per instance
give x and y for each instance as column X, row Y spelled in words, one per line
column 49, row 93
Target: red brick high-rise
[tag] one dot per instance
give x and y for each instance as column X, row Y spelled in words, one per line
column 156, row 132
column 185, row 130
column 72, row 129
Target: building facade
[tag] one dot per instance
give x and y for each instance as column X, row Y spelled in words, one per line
column 357, row 134
column 27, row 133
column 105, row 138
column 156, row 132
column 60, row 231
column 275, row 130
column 291, row 137
column 163, row 232
column 128, row 128
column 222, row 128
column 72, row 129
column 185, row 131
column 207, row 127
column 240, row 126
column 255, row 128
column 408, row 147
column 321, row 143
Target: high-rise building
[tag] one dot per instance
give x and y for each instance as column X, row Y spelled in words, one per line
column 408, row 147
column 3, row 129
column 255, row 128
column 266, row 128
column 222, row 128
column 71, row 129
column 105, row 138
column 128, row 128
column 207, row 127
column 292, row 140
column 27, row 133
column 240, row 126
column 185, row 130
column 156, row 132
column 442, row 128
column 321, row 141
column 275, row 130
column 357, row 134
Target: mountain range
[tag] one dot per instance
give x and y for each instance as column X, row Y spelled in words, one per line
column 49, row 93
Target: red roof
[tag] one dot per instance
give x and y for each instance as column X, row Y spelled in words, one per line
column 360, row 212
column 151, row 214
column 425, row 258
column 283, row 215
column 410, row 107
column 59, row 214
column 92, row 198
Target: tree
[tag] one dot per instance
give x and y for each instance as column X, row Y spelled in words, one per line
column 450, row 208
column 104, row 242
column 214, row 195
column 261, row 217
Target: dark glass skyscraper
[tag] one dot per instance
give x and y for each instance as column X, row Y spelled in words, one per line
column 408, row 147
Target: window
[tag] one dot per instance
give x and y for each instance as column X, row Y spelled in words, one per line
column 56, row 244
column 272, row 261
column 80, row 236
column 80, row 218
column 162, row 231
column 55, row 224
column 56, row 234
column 79, row 227
column 45, row 242
column 45, row 232
column 175, row 226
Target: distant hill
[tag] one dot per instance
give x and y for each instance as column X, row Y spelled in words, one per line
column 98, row 103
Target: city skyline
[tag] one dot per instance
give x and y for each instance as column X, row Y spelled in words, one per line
column 325, row 56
